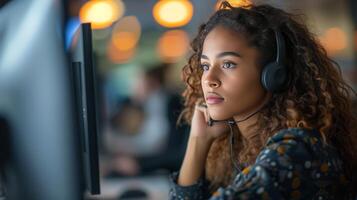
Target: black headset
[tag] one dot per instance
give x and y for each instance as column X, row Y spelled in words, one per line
column 274, row 74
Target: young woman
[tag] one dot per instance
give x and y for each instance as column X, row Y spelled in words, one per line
column 269, row 111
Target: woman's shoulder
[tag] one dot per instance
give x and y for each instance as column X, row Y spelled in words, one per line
column 308, row 136
column 303, row 151
column 300, row 144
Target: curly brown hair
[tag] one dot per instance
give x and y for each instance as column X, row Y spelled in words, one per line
column 316, row 96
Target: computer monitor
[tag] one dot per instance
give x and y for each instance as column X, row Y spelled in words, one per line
column 84, row 82
column 36, row 103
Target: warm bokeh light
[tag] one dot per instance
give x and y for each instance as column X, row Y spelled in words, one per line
column 172, row 45
column 334, row 40
column 118, row 56
column 126, row 33
column 234, row 3
column 101, row 13
column 173, row 13
column 124, row 41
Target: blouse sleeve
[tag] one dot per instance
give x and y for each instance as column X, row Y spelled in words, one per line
column 198, row 190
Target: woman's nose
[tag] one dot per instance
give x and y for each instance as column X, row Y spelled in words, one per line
column 213, row 84
column 211, row 80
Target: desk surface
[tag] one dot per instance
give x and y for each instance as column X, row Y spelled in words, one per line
column 157, row 186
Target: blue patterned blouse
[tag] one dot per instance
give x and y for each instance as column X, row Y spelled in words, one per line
column 294, row 164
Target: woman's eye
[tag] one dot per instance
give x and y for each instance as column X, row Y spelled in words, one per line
column 228, row 65
column 204, row 67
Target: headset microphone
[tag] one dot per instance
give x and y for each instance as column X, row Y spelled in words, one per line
column 231, row 121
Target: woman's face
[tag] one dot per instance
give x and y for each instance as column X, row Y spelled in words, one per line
column 231, row 75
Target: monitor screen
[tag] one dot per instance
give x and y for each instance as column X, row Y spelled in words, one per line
column 36, row 106
column 84, row 82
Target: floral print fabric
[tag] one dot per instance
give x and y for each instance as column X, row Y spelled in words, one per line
column 294, row 164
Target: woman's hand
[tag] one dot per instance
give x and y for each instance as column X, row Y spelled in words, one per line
column 200, row 128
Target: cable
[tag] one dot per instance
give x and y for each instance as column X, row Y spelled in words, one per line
column 211, row 121
column 235, row 165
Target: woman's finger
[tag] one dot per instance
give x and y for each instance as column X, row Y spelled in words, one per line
column 203, row 108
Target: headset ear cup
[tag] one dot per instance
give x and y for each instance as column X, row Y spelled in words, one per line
column 273, row 77
column 281, row 76
column 265, row 78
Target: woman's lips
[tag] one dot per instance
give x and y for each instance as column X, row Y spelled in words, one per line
column 214, row 99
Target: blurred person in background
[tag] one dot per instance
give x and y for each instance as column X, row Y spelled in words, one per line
column 144, row 136
column 265, row 124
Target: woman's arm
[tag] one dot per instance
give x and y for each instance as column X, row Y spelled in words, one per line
column 200, row 140
column 190, row 181
column 194, row 161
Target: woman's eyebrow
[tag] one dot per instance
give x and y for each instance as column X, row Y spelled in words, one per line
column 226, row 53
column 204, row 57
